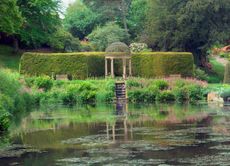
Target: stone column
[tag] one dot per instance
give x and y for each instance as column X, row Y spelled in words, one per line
column 112, row 68
column 106, row 67
column 124, row 68
column 130, row 67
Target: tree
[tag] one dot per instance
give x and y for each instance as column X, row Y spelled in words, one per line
column 62, row 40
column 80, row 20
column 11, row 19
column 111, row 11
column 185, row 25
column 40, row 20
column 137, row 16
column 102, row 36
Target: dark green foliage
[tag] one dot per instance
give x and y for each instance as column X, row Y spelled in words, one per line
column 187, row 25
column 142, row 95
column 158, row 64
column 10, row 17
column 137, row 17
column 186, row 92
column 133, row 83
column 194, row 93
column 80, row 20
column 12, row 98
column 227, row 74
column 62, row 40
column 4, row 120
column 181, row 94
column 79, row 65
column 41, row 20
column 161, row 84
column 165, row 96
column 200, row 74
column 41, row 82
column 103, row 36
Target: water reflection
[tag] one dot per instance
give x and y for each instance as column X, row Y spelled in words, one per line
column 122, row 134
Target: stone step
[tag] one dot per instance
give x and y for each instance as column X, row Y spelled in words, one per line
column 120, row 90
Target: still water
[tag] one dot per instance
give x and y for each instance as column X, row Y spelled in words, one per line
column 119, row 135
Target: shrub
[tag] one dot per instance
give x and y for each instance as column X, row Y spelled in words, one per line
column 43, row 82
column 141, row 95
column 165, row 96
column 200, row 74
column 160, row 84
column 227, row 74
column 106, row 91
column 12, row 98
column 194, row 93
column 4, row 120
column 103, row 36
column 159, row 64
column 139, row 47
column 87, row 92
column 133, row 83
column 181, row 94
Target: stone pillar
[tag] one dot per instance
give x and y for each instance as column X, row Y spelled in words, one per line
column 130, row 67
column 106, row 67
column 112, row 68
column 124, row 68
column 114, row 134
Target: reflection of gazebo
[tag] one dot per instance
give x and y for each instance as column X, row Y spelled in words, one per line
column 118, row 50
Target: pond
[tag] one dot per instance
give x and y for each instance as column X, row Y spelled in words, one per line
column 119, row 135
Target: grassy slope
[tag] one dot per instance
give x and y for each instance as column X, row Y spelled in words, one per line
column 218, row 70
column 8, row 59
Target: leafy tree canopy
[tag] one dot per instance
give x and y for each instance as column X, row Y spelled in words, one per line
column 187, row 25
column 80, row 20
column 41, row 19
column 103, row 36
column 10, row 17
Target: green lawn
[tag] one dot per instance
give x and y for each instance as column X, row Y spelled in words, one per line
column 8, row 59
column 218, row 71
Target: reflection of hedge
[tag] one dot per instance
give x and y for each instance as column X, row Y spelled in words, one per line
column 91, row 64
column 157, row 64
column 79, row 65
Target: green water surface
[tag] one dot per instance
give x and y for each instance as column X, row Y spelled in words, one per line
column 119, row 134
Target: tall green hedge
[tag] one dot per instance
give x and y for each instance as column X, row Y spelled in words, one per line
column 91, row 64
column 79, row 65
column 158, row 64
column 227, row 74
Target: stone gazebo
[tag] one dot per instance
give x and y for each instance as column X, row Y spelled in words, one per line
column 118, row 50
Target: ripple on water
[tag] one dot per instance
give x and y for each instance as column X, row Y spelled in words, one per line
column 91, row 140
column 17, row 151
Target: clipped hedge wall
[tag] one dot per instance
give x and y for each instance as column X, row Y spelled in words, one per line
column 227, row 74
column 79, row 65
column 158, row 64
column 91, row 64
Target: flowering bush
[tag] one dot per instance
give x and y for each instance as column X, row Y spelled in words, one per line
column 139, row 47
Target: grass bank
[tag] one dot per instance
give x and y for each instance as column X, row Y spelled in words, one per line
column 9, row 59
column 46, row 91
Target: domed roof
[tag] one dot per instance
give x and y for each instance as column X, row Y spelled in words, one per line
column 118, row 48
